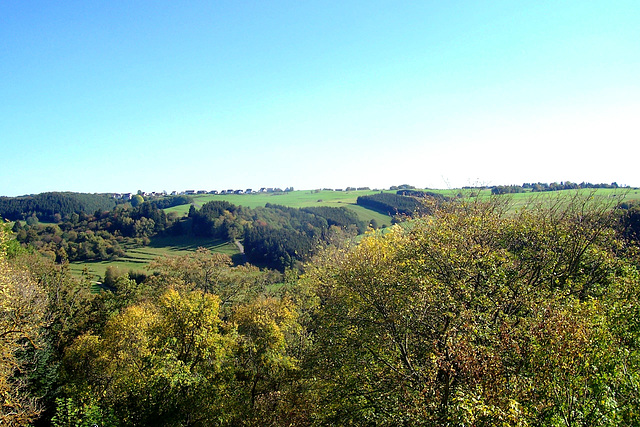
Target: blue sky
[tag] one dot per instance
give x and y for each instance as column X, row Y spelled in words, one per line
column 118, row 96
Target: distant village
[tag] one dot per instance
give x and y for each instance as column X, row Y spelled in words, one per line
column 129, row 196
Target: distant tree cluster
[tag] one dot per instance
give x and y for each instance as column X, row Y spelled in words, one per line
column 280, row 248
column 507, row 189
column 53, row 207
column 284, row 237
column 391, row 204
column 215, row 219
column 171, row 201
column 543, row 186
column 402, row 187
column 276, row 236
column 100, row 236
column 423, row 194
column 566, row 185
column 340, row 217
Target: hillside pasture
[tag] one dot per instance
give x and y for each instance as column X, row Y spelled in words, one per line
column 294, row 199
column 611, row 195
column 137, row 258
column 347, row 199
column 518, row 200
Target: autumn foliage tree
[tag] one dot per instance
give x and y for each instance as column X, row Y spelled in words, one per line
column 480, row 316
column 476, row 315
column 156, row 363
column 198, row 343
column 23, row 317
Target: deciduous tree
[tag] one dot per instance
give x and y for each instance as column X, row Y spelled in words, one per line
column 22, row 319
column 480, row 316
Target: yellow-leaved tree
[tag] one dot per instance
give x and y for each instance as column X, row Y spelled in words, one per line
column 158, row 362
column 479, row 315
column 264, row 364
column 22, row 318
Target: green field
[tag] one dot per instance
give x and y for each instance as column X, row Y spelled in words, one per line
column 612, row 195
column 294, row 199
column 137, row 258
column 347, row 199
column 307, row 198
column 521, row 199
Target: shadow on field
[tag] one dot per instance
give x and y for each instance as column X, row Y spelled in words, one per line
column 183, row 243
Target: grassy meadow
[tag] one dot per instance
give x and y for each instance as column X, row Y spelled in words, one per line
column 138, row 257
column 347, row 199
column 614, row 195
column 294, row 199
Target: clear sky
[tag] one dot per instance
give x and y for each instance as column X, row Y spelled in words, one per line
column 120, row 96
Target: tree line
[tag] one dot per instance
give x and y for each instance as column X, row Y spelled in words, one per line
column 543, row 186
column 58, row 206
column 97, row 236
column 392, row 204
column 53, row 206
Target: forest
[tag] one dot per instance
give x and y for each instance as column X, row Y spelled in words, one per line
column 392, row 204
column 52, row 207
column 468, row 313
column 275, row 236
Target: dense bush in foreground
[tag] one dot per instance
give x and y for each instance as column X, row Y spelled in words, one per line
column 481, row 318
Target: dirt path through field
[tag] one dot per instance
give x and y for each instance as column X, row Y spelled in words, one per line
column 241, row 249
